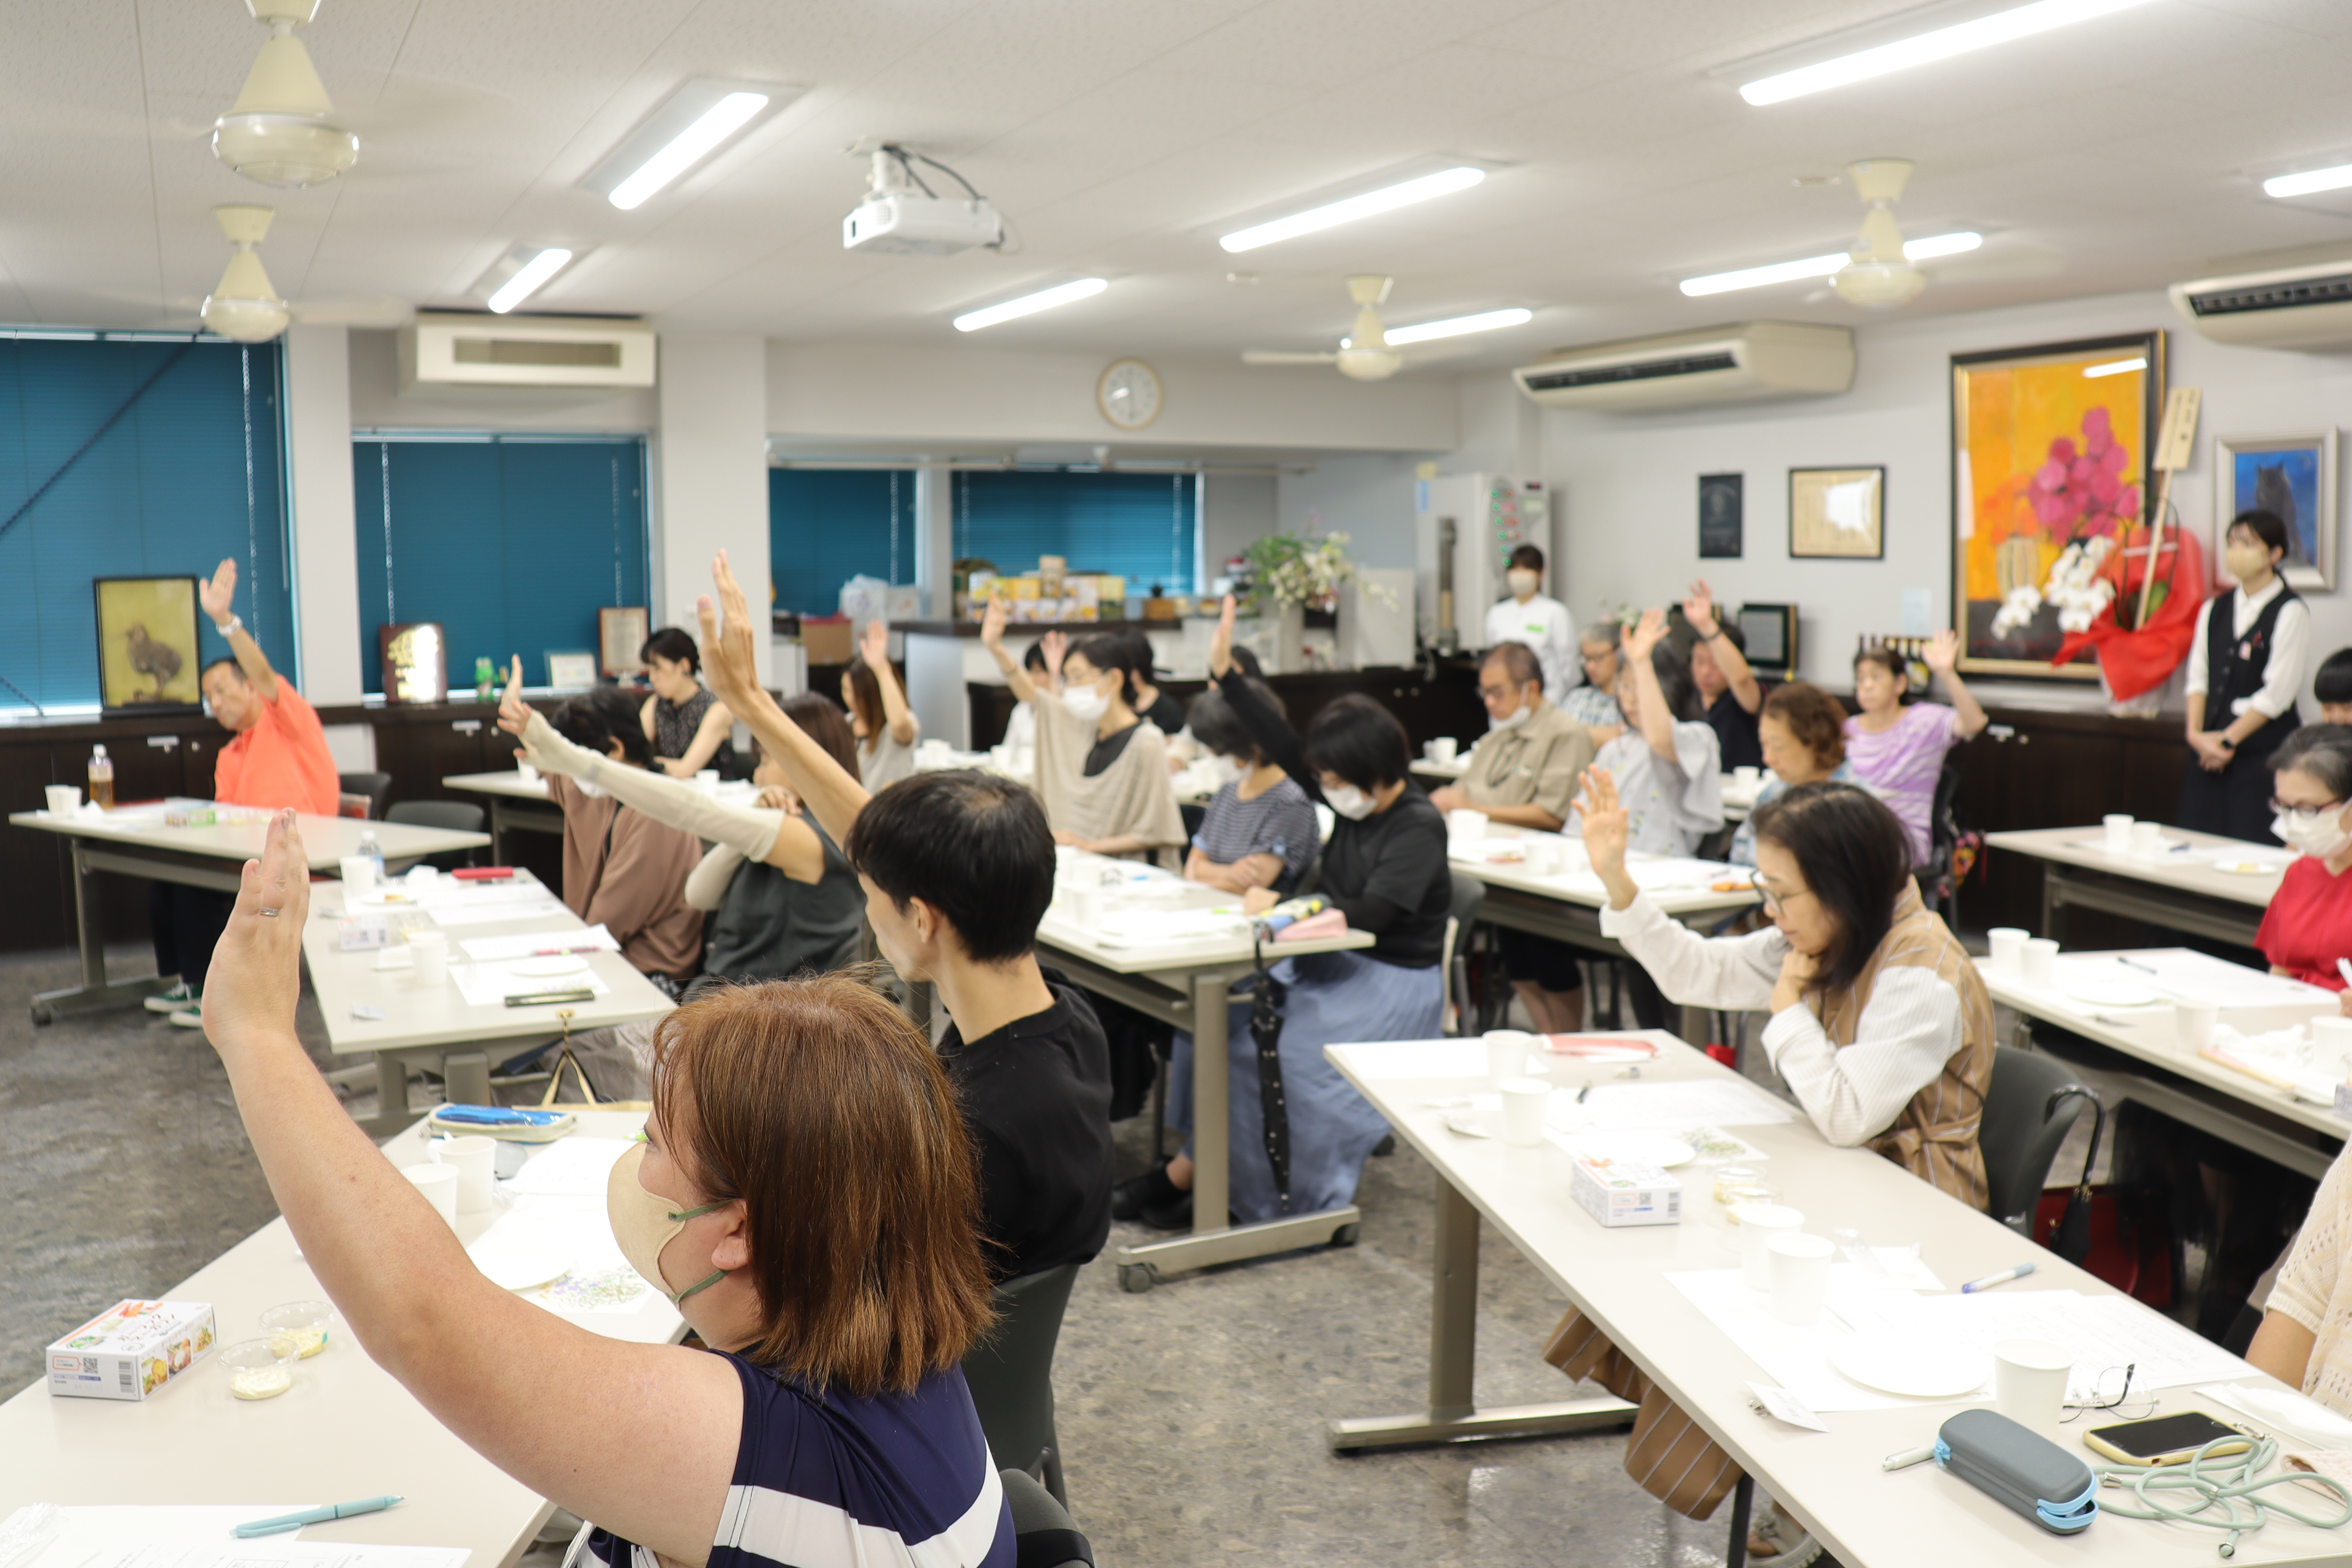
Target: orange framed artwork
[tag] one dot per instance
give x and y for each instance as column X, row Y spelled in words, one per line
column 2050, row 445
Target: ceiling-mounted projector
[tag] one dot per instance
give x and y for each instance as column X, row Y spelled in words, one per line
column 902, row 216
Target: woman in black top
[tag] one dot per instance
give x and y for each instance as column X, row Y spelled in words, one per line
column 1148, row 700
column 692, row 729
column 1385, row 869
column 2245, row 670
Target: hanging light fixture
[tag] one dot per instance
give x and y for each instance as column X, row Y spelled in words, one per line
column 1880, row 276
column 276, row 134
column 244, row 307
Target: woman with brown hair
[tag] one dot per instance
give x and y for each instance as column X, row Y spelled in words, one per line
column 1802, row 731
column 805, row 1195
column 885, row 727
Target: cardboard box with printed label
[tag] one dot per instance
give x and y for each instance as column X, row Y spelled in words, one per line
column 131, row 1349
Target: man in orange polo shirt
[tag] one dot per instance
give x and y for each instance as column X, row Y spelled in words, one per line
column 278, row 759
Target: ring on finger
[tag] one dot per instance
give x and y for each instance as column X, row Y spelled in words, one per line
column 267, row 914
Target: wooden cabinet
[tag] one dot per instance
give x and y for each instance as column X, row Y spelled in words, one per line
column 420, row 750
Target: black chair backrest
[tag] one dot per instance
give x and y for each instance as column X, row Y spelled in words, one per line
column 455, row 815
column 1011, row 1372
column 2030, row 1107
column 1044, row 1533
column 1469, row 894
column 375, row 787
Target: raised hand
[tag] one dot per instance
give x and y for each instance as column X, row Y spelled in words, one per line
column 256, row 976
column 729, row 656
column 1607, row 825
column 1055, row 646
column 1647, row 633
column 1220, row 641
column 874, row 644
column 991, row 625
column 514, row 713
column 218, row 596
column 1698, row 608
column 1943, row 651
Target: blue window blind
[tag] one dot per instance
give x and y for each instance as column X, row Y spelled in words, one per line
column 828, row 525
column 189, row 473
column 512, row 544
column 1142, row 526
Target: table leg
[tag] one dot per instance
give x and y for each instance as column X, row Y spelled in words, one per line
column 1453, row 1412
column 1212, row 1096
column 1743, row 1500
column 2050, row 880
column 498, row 831
column 95, row 993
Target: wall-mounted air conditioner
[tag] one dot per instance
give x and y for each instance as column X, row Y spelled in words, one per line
column 449, row 349
column 2292, row 308
column 1722, row 365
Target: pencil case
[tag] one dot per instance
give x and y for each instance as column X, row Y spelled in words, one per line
column 2021, row 1468
column 511, row 1123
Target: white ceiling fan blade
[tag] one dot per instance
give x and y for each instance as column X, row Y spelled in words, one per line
column 1277, row 356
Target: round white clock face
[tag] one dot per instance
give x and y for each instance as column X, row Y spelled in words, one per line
column 1128, row 394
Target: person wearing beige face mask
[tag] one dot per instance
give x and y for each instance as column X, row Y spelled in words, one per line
column 1542, row 623
column 2244, row 671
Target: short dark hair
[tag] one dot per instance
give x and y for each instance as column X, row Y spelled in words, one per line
column 2266, row 526
column 241, row 676
column 673, row 645
column 1674, row 682
column 2334, row 681
column 822, row 721
column 1035, row 657
column 1528, row 556
column 1214, row 725
column 1856, row 859
column 1359, row 741
column 1518, row 660
column 974, row 845
column 598, row 717
column 1114, row 650
column 1892, row 662
column 2323, row 750
column 1816, row 721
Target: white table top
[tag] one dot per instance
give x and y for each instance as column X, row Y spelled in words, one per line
column 2188, row 870
column 2153, row 1035
column 345, row 1430
column 514, row 786
column 1576, row 884
column 1060, row 928
column 1920, row 1517
column 443, row 1017
column 1453, row 770
column 325, row 839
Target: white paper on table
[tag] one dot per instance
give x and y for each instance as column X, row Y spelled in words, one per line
column 489, row 984
column 448, row 916
column 178, row 1552
column 2180, row 972
column 1666, row 1107
column 1783, row 1405
column 540, row 944
column 2104, row 1332
column 570, row 1167
column 1149, row 928
column 1799, row 1359
column 76, row 1532
column 1383, row 1059
column 450, row 893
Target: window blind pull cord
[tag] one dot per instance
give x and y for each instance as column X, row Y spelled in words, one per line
column 104, row 426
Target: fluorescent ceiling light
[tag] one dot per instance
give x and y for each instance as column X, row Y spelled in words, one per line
column 526, row 283
column 1818, row 266
column 693, row 144
column 2002, row 27
column 2115, row 367
column 1030, row 304
column 2304, row 185
column 1387, row 199
column 1487, row 322
column 684, row 130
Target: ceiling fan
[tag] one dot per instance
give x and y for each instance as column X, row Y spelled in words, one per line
column 1366, row 355
column 1880, row 277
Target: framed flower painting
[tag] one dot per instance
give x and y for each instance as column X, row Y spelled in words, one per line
column 2049, row 449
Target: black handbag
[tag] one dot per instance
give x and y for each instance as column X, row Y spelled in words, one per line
column 2071, row 1237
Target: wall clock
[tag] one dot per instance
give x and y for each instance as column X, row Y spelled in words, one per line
column 1128, row 394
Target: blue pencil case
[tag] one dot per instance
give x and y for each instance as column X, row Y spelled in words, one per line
column 2021, row 1468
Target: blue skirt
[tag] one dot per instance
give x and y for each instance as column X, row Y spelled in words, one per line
column 1334, row 998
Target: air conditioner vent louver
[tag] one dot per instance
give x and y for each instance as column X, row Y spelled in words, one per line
column 1756, row 359
column 2292, row 308
column 2272, row 297
column 446, row 349
column 1647, row 370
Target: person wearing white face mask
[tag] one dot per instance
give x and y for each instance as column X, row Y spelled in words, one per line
column 2308, row 925
column 1542, row 623
column 1259, row 830
column 818, row 1237
column 1101, row 771
column 2245, row 668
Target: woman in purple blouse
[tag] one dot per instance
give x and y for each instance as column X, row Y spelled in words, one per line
column 1897, row 748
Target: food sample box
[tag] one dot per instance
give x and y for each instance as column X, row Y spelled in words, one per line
column 1618, row 1192
column 132, row 1349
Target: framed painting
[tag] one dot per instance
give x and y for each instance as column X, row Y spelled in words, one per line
column 2292, row 477
column 1721, row 515
column 2049, row 445
column 1837, row 514
column 147, row 656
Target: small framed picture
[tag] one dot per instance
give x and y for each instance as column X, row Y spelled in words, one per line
column 1837, row 514
column 2291, row 476
column 1721, row 516
column 570, row 671
column 147, row 655
column 620, row 634
column 416, row 659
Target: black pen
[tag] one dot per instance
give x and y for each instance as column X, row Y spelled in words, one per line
column 1582, row 1092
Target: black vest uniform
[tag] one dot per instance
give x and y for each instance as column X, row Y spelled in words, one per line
column 2235, row 801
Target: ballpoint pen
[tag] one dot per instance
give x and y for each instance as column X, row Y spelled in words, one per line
column 319, row 1515
column 2003, row 1277
column 1903, row 1458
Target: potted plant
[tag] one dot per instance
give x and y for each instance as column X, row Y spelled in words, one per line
column 1291, row 574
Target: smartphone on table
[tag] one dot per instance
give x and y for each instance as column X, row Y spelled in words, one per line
column 2164, row 1439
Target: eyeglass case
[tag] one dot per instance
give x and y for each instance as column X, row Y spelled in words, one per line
column 2021, row 1468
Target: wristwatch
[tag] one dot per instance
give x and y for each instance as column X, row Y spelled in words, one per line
column 2228, row 744
column 234, row 625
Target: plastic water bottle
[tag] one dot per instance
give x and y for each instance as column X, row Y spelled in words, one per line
column 101, row 778
column 486, row 680
column 373, row 850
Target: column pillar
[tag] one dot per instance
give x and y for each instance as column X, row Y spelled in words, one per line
column 710, row 476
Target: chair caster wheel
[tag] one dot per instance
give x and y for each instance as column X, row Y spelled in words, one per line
column 1346, row 1235
column 1135, row 1279
column 44, row 1014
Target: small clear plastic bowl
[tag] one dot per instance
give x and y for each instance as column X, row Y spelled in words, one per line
column 301, row 1324
column 257, row 1369
column 1731, row 1198
column 1729, row 1176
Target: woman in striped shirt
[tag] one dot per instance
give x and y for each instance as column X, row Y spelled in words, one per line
column 805, row 1195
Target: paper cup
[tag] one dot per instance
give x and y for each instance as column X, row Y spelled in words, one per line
column 1524, row 1103
column 438, row 1184
column 1506, row 1054
column 2038, row 963
column 2119, row 832
column 64, row 799
column 1799, row 1267
column 1758, row 1224
column 429, row 952
column 1543, row 857
column 1748, row 778
column 421, row 876
column 474, row 1159
column 359, row 875
column 2197, row 1020
column 1464, row 825
column 529, row 772
column 2330, row 1033
column 2148, row 838
column 1086, row 905
column 2028, row 1381
column 2007, row 948
column 1443, row 750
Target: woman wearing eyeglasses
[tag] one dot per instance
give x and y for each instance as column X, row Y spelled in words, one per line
column 1880, row 1026
column 2308, row 925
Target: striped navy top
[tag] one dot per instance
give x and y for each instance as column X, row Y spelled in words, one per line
column 1280, row 822
column 837, row 1481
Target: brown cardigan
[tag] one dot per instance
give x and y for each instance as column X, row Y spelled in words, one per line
column 626, row 871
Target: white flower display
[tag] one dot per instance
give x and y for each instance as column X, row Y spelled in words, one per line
column 2075, row 587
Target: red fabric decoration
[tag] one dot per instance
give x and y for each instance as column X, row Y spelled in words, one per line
column 2143, row 659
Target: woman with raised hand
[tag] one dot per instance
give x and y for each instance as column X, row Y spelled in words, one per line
column 1667, row 763
column 805, row 1195
column 1880, row 1026
column 885, row 727
column 1897, row 746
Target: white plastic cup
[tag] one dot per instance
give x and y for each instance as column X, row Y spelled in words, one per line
column 1443, row 750
column 707, row 780
column 2119, row 831
column 1543, row 857
column 2146, row 839
column 429, row 952
column 1748, row 778
column 359, row 875
column 1758, row 1224
column 2007, row 948
column 1086, row 905
column 2039, row 961
column 2028, row 1381
column 421, row 875
column 529, row 772
column 439, row 1185
column 2198, row 1020
column 1506, row 1054
column 1465, row 825
column 64, row 799
column 1525, row 1100
column 2331, row 1041
column 474, row 1159
column 1799, row 1267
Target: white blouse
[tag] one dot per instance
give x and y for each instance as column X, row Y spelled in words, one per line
column 1673, row 802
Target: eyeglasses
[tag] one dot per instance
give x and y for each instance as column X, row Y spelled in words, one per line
column 2112, row 1391
column 1775, row 899
column 2304, row 813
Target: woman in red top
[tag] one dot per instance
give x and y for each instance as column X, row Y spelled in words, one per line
column 2308, row 926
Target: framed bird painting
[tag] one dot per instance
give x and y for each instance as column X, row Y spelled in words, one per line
column 147, row 658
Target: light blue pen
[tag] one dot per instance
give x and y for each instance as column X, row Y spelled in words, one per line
column 1989, row 1280
column 285, row 1521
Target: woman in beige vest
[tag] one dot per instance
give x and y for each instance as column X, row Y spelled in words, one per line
column 1880, row 1026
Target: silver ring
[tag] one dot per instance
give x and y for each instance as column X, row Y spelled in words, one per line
column 267, row 914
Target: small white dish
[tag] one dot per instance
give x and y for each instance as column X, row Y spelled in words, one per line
column 2102, row 993
column 552, row 967
column 519, row 1263
column 1911, row 1365
column 1637, row 1148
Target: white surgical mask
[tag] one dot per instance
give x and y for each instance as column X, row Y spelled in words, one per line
column 2317, row 836
column 1349, row 802
column 1085, row 702
column 1523, row 583
column 1511, row 721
